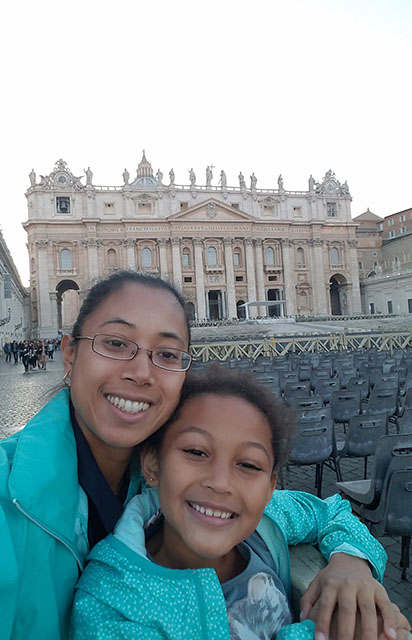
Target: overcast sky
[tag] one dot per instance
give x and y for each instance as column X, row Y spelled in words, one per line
column 272, row 86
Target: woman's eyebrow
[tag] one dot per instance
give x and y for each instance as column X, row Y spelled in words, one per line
column 131, row 325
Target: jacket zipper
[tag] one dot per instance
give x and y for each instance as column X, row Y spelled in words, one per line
column 50, row 533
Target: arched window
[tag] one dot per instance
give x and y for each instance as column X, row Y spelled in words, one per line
column 334, row 256
column 186, row 258
column 66, row 259
column 211, row 256
column 237, row 258
column 147, row 260
column 300, row 257
column 270, row 255
column 112, row 258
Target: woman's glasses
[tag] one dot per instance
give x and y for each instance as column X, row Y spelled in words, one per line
column 119, row 348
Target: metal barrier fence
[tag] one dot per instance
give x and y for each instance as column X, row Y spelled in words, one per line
column 281, row 346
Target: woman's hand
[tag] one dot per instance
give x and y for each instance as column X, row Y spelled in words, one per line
column 346, row 602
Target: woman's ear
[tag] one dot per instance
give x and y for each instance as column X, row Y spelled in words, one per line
column 150, row 466
column 67, row 352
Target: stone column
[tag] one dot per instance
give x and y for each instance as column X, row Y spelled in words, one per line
column 200, row 279
column 260, row 275
column 250, row 276
column 131, row 255
column 353, row 265
column 92, row 258
column 163, row 259
column 230, row 279
column 320, row 302
column 288, row 278
column 177, row 263
column 44, row 311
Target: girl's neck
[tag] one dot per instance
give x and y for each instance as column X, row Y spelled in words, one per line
column 167, row 553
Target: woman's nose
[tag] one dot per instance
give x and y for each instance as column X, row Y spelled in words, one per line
column 140, row 367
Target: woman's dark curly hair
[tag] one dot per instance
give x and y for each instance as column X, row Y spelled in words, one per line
column 221, row 381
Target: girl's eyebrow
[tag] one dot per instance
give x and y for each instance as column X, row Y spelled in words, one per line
column 249, row 443
column 131, row 325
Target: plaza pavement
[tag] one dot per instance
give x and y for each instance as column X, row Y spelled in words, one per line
column 23, row 394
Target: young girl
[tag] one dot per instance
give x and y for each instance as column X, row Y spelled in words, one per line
column 204, row 552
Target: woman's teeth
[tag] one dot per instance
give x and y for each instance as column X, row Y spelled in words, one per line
column 127, row 405
column 224, row 515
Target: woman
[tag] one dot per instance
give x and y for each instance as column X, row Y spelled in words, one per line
column 66, row 477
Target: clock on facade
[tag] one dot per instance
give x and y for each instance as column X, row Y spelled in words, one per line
column 61, row 178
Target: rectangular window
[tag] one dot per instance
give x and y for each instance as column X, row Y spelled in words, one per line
column 403, row 229
column 7, row 285
column 239, row 278
column 236, row 259
column 62, row 204
column 332, row 209
column 187, row 279
column 272, row 278
column 392, row 233
column 403, row 218
column 145, row 207
column 183, row 206
column 409, row 305
column 360, row 265
column 297, row 212
column 390, row 306
column 235, row 205
column 372, row 308
column 391, row 222
column 109, row 207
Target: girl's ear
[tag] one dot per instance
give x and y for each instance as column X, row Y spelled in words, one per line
column 273, row 486
column 150, row 467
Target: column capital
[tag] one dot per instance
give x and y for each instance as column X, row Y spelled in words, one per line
column 248, row 242
column 42, row 244
column 286, row 242
column 228, row 242
column 258, row 242
column 175, row 242
column 162, row 242
column 198, row 242
column 352, row 243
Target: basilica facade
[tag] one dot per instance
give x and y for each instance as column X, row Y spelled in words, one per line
column 227, row 248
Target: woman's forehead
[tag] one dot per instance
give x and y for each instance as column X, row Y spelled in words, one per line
column 139, row 306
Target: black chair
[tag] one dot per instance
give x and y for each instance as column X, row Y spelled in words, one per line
column 314, row 443
column 296, row 390
column 306, row 404
column 362, row 435
column 385, row 502
column 382, row 400
column 404, row 422
column 325, row 387
column 345, row 405
column 361, row 383
column 287, row 376
column 314, row 414
column 384, row 381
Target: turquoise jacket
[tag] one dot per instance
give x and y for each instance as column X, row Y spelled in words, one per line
column 43, row 526
column 122, row 594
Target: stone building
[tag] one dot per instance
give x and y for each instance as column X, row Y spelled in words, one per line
column 385, row 262
column 222, row 245
column 14, row 300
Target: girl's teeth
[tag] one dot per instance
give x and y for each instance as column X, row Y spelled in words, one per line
column 127, row 405
column 224, row 515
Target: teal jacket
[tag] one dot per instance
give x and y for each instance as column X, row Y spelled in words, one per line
column 43, row 526
column 122, row 594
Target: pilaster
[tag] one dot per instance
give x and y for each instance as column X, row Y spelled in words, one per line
column 200, row 280
column 230, row 279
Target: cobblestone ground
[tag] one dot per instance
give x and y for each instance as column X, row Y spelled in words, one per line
column 23, row 394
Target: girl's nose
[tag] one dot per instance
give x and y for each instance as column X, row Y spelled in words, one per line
column 219, row 477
